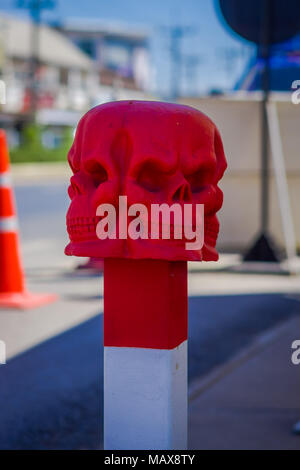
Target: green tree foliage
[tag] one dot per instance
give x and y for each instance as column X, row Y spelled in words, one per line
column 31, row 148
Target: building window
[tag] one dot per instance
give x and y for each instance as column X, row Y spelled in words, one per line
column 63, row 76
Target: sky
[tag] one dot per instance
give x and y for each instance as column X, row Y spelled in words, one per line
column 219, row 54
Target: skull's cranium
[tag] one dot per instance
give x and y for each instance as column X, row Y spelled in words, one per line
column 153, row 153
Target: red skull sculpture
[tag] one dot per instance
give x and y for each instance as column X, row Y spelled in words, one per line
column 153, row 153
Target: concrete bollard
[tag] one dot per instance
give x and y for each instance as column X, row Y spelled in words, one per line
column 127, row 158
column 145, row 354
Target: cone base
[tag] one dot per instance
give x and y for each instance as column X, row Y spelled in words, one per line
column 25, row 300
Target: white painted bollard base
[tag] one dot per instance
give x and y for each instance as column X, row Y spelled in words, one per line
column 145, row 398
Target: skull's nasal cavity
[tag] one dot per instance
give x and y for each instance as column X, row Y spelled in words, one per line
column 183, row 194
column 121, row 148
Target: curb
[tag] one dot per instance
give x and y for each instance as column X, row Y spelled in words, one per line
column 35, row 172
column 201, row 385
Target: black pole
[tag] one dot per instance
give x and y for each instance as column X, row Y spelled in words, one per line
column 35, row 8
column 34, row 64
column 176, row 35
column 265, row 153
column 263, row 249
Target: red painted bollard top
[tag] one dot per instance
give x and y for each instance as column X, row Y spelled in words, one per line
column 153, row 153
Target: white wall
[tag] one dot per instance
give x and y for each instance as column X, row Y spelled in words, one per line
column 239, row 124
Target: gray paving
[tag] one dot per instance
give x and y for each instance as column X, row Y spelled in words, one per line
column 51, row 388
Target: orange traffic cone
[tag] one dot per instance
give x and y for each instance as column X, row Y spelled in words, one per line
column 13, row 291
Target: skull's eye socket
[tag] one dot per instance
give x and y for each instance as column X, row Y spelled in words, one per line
column 151, row 177
column 96, row 171
column 200, row 178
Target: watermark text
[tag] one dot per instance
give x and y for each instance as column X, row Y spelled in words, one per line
column 175, row 221
column 296, row 94
column 296, row 352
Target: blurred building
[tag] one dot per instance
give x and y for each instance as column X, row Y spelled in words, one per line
column 120, row 53
column 63, row 74
column 77, row 67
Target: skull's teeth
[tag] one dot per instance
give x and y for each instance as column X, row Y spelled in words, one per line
column 80, row 226
column 77, row 225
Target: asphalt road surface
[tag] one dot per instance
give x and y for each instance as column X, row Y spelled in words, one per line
column 51, row 396
column 42, row 210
